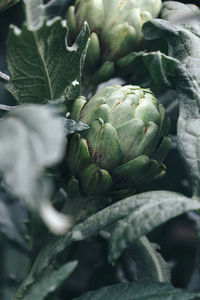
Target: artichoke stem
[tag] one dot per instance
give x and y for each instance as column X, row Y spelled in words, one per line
column 79, row 208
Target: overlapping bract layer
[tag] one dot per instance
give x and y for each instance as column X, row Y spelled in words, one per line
column 116, row 30
column 125, row 144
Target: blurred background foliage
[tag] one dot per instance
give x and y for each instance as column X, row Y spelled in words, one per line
column 178, row 238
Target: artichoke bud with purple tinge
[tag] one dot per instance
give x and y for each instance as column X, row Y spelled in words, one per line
column 125, row 144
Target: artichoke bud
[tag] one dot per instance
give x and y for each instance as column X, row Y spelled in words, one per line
column 94, row 180
column 116, row 31
column 125, row 144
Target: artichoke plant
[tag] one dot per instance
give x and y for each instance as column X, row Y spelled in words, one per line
column 116, row 30
column 4, row 4
column 125, row 144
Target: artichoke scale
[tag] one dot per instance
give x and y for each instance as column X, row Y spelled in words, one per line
column 101, row 112
column 165, row 121
column 150, row 139
column 162, row 149
column 73, row 189
column 118, row 41
column 104, row 145
column 122, row 111
column 147, row 111
column 93, row 53
column 71, row 23
column 136, row 138
column 95, row 180
column 77, row 107
column 77, row 154
column 128, row 174
column 91, row 11
column 131, row 135
column 152, row 171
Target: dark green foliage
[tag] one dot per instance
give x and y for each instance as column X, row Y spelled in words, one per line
column 57, row 244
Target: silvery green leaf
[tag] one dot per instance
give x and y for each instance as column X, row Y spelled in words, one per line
column 72, row 126
column 13, row 215
column 140, row 291
column 32, row 137
column 150, row 265
column 150, row 210
column 48, row 283
column 184, row 48
column 4, row 77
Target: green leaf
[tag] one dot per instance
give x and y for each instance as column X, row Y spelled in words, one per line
column 184, row 48
column 150, row 264
column 159, row 207
column 165, row 204
column 5, row 108
column 54, row 7
column 72, row 126
column 32, row 137
column 161, row 67
column 180, row 13
column 139, row 291
column 36, row 11
column 42, row 67
column 4, row 77
column 12, row 220
column 48, row 283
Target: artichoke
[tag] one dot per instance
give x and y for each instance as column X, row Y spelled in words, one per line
column 125, row 144
column 4, row 4
column 116, row 30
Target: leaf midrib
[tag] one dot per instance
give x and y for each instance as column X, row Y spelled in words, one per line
column 46, row 73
